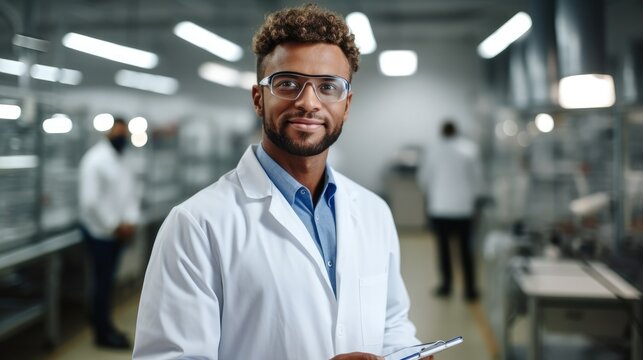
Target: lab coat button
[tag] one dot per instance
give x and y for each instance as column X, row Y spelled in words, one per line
column 340, row 330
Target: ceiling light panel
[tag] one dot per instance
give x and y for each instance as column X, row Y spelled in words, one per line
column 41, row 72
column 586, row 91
column 13, row 162
column 149, row 82
column 12, row 67
column 54, row 74
column 220, row 74
column 361, row 27
column 57, row 124
column 509, row 32
column 398, row 62
column 46, row 73
column 208, row 41
column 103, row 122
column 10, row 112
column 137, row 125
column 110, row 51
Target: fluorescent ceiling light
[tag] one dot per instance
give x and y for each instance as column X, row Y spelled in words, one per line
column 361, row 27
column 42, row 72
column 54, row 74
column 219, row 74
column 70, row 77
column 148, row 82
column 398, row 62
column 137, row 125
column 12, row 67
column 247, row 79
column 227, row 76
column 586, row 91
column 511, row 31
column 103, row 122
column 57, row 124
column 13, row 162
column 110, row 51
column 30, row 42
column 10, row 112
column 208, row 41
column 139, row 139
column 544, row 122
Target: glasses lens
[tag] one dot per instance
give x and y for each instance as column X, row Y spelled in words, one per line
column 286, row 86
column 331, row 89
column 328, row 89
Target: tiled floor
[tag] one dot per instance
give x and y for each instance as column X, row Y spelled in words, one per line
column 434, row 318
column 81, row 347
column 437, row 318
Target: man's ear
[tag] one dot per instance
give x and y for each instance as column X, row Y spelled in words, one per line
column 257, row 100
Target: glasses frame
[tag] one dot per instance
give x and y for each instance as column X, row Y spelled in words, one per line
column 267, row 81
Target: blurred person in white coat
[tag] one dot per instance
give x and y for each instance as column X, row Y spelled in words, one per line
column 451, row 177
column 283, row 257
column 109, row 209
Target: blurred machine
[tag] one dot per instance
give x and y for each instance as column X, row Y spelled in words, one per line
column 37, row 216
column 39, row 240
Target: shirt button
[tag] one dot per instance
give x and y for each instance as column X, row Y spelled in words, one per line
column 330, row 263
column 302, row 191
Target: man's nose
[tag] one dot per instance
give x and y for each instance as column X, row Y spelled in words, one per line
column 308, row 99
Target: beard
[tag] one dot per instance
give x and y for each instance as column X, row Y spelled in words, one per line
column 299, row 146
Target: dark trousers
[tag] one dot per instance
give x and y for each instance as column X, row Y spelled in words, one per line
column 463, row 229
column 104, row 255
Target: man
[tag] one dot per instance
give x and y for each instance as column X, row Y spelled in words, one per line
column 109, row 208
column 451, row 177
column 283, row 257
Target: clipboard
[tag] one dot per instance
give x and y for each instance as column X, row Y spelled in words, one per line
column 423, row 350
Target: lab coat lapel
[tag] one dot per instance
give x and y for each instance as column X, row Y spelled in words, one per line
column 281, row 210
column 257, row 185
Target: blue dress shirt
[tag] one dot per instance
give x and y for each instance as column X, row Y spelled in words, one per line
column 319, row 219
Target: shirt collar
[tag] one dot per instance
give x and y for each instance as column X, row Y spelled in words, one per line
column 287, row 184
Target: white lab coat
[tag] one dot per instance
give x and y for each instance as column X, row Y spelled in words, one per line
column 451, row 177
column 108, row 193
column 234, row 274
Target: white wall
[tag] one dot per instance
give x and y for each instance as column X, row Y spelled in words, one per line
column 388, row 113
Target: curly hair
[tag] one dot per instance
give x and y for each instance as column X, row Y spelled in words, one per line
column 308, row 23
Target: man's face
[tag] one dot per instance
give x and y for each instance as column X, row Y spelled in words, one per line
column 304, row 126
column 118, row 136
column 118, row 130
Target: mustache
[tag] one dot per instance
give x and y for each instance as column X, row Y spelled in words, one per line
column 303, row 114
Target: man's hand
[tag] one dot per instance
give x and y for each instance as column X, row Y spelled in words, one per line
column 357, row 356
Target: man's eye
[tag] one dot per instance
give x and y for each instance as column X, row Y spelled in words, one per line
column 328, row 87
column 287, row 84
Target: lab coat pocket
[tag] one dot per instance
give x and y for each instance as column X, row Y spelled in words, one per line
column 372, row 295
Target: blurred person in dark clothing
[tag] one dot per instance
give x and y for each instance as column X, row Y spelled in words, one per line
column 451, row 177
column 109, row 208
